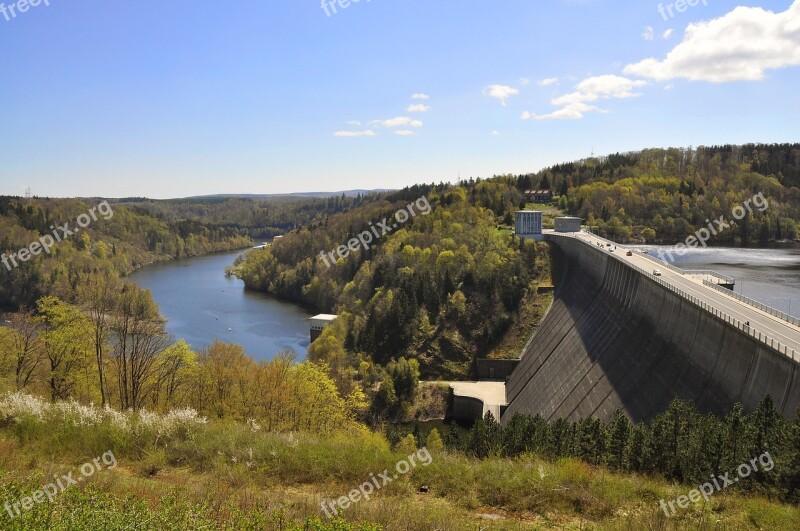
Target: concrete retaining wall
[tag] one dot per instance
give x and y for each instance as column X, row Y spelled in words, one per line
column 615, row 339
column 497, row 370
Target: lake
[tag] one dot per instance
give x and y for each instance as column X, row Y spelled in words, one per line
column 201, row 304
column 768, row 275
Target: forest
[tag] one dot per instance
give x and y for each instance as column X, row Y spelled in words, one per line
column 443, row 289
column 259, row 218
column 140, row 232
column 664, row 195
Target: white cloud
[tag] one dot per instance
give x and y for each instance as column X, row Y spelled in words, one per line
column 495, row 133
column 418, row 107
column 400, row 121
column 649, row 33
column 405, row 132
column 500, row 92
column 354, row 122
column 601, row 87
column 667, row 34
column 739, row 46
column 547, row 82
column 576, row 104
column 524, row 81
column 420, row 96
column 353, row 134
column 573, row 111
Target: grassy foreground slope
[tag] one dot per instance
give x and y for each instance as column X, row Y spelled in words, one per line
column 181, row 471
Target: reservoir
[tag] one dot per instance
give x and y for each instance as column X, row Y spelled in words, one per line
column 201, row 304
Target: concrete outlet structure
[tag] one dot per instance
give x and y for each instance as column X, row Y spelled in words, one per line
column 320, row 323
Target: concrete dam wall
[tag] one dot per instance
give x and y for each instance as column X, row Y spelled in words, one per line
column 616, row 339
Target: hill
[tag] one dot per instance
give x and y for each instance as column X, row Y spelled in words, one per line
column 434, row 276
column 665, row 195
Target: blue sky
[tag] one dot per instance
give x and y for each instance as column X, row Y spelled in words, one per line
column 179, row 98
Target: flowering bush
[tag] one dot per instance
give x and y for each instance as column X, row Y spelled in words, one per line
column 169, row 424
column 20, row 407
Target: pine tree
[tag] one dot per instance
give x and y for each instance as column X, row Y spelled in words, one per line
column 434, row 443
column 619, row 439
column 486, row 437
column 791, row 482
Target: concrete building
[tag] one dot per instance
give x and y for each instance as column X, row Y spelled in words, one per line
column 528, row 223
column 568, row 224
column 320, row 323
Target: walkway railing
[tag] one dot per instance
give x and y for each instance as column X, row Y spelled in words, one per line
column 707, row 272
column 763, row 307
column 743, row 327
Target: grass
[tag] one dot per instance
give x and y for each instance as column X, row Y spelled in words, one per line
column 223, row 475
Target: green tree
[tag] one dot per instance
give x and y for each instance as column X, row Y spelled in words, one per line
column 66, row 343
column 619, row 440
column 434, row 443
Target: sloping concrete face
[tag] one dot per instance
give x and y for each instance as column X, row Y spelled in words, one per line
column 615, row 339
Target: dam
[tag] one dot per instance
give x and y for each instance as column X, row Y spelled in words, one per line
column 626, row 331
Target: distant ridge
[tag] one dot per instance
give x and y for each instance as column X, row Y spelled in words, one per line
column 320, row 195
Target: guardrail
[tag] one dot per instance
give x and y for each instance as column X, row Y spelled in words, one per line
column 763, row 307
column 707, row 272
column 743, row 327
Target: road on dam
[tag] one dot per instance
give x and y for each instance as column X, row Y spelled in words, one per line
column 774, row 328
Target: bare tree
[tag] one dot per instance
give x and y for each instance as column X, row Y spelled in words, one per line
column 139, row 337
column 97, row 294
column 24, row 347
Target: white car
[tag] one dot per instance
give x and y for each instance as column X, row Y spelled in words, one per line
column 656, row 272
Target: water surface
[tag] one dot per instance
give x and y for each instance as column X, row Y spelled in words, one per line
column 202, row 304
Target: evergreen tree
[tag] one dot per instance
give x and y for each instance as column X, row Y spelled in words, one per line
column 619, row 439
column 486, row 437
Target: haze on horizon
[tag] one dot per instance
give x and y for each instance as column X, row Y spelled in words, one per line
column 184, row 99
